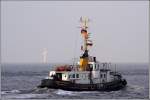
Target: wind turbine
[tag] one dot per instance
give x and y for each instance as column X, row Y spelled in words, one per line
column 44, row 55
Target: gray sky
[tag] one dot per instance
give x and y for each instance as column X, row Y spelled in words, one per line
column 119, row 30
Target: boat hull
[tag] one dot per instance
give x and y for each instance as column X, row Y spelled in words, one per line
column 70, row 86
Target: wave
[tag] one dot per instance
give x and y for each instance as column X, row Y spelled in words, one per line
column 134, row 90
column 10, row 92
column 26, row 96
column 73, row 93
column 63, row 92
column 136, row 87
column 87, row 92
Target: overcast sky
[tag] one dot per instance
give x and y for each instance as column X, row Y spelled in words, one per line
column 119, row 30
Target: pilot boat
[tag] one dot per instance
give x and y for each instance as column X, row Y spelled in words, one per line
column 87, row 74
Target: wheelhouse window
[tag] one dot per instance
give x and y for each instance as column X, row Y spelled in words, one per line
column 104, row 75
column 69, row 76
column 77, row 75
column 101, row 75
column 95, row 67
column 73, row 76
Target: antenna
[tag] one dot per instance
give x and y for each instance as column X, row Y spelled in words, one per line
column 44, row 55
column 84, row 22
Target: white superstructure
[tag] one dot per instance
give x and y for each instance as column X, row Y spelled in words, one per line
column 99, row 74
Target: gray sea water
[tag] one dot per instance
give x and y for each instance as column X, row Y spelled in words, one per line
column 19, row 81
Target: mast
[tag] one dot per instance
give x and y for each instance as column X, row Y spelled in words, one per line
column 84, row 26
column 84, row 58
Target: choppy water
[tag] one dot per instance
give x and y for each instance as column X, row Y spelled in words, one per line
column 19, row 81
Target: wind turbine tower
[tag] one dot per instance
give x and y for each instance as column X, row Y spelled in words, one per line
column 44, row 55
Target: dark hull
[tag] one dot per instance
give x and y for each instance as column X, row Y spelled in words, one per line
column 70, row 86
